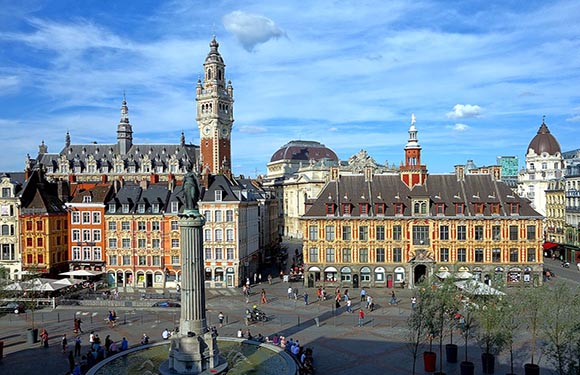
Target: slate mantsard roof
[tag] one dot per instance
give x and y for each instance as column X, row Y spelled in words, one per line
column 439, row 188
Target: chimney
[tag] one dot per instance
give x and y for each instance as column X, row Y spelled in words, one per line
column 460, row 172
column 334, row 173
column 144, row 184
column 72, row 178
column 63, row 190
column 104, row 178
column 26, row 174
column 368, row 174
column 154, row 178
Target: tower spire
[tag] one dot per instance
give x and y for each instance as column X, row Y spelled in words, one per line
column 124, row 129
column 412, row 171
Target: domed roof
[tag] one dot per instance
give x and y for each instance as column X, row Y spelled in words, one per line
column 544, row 142
column 303, row 150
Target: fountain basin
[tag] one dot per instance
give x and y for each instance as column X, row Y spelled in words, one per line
column 243, row 357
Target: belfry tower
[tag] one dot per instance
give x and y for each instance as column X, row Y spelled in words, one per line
column 215, row 115
column 412, row 171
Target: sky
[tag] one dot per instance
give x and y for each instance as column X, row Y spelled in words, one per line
column 478, row 75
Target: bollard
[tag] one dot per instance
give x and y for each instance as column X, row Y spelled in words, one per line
column 298, row 320
column 125, row 318
column 227, row 320
column 58, row 317
column 317, row 320
column 91, row 319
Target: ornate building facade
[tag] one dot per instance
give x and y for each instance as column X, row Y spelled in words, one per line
column 382, row 230
column 10, row 257
column 299, row 170
column 543, row 163
column 95, row 162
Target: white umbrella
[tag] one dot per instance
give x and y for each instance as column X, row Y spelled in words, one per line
column 443, row 274
column 67, row 282
column 81, row 273
column 15, row 286
column 478, row 288
column 463, row 275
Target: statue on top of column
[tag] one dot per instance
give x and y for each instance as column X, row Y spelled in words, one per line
column 191, row 193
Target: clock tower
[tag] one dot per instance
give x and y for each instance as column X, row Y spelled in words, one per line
column 215, row 117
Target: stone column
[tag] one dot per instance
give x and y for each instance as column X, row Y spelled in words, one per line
column 193, row 317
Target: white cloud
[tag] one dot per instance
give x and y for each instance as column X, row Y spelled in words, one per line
column 250, row 129
column 464, row 111
column 333, row 129
column 251, row 29
column 460, row 127
column 574, row 119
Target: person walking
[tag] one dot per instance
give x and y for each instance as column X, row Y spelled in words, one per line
column 305, row 298
column 78, row 346
column 393, row 298
column 290, row 292
column 348, row 306
column 221, row 318
column 413, row 302
column 44, row 338
column 71, row 361
column 363, row 295
column 64, row 343
column 263, row 298
column 269, row 279
column 361, row 317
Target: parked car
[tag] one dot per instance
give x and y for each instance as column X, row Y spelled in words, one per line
column 166, row 304
column 15, row 307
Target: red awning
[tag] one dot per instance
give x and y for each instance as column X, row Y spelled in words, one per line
column 550, row 245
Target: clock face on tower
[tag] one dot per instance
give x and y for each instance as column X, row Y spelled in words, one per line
column 206, row 130
column 224, row 131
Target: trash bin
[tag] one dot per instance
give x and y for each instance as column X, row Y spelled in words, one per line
column 32, row 335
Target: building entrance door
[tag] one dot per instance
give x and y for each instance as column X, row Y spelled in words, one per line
column 230, row 280
column 355, row 281
column 149, row 280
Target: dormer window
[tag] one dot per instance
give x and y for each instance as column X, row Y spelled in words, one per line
column 459, row 209
column 478, row 208
column 514, row 208
column 141, row 208
column 419, row 207
column 364, row 209
column 112, row 208
column 398, row 208
column 155, row 208
column 218, row 195
column 87, row 199
column 125, row 208
column 494, row 208
column 346, row 209
column 440, row 208
column 330, row 208
column 380, row 208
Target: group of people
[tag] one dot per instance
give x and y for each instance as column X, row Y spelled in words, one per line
column 96, row 352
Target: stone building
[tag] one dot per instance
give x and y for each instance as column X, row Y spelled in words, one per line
column 382, row 230
column 299, row 170
column 95, row 162
column 10, row 256
column 544, row 162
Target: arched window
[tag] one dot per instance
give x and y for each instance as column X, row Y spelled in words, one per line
column 209, row 74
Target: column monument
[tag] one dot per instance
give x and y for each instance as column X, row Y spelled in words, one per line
column 194, row 348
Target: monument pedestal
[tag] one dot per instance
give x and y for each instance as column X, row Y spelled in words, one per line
column 193, row 350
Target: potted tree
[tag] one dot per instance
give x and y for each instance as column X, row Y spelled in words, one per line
column 467, row 324
column 532, row 304
column 491, row 335
column 444, row 304
column 426, row 305
column 511, row 324
column 417, row 323
column 560, row 329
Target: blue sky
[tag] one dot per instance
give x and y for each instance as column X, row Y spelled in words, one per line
column 478, row 75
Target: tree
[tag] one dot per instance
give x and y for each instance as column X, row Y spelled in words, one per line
column 512, row 322
column 491, row 335
column 532, row 303
column 420, row 323
column 560, row 328
column 444, row 307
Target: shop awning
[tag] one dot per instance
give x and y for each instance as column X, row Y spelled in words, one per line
column 550, row 245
